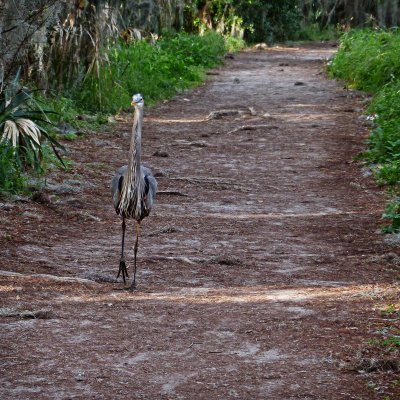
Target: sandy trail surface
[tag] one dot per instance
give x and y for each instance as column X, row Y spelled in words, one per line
column 260, row 269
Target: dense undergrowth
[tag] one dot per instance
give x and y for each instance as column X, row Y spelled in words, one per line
column 158, row 71
column 369, row 60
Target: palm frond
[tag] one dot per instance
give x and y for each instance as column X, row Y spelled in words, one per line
column 20, row 130
column 21, row 126
column 28, row 128
column 10, row 133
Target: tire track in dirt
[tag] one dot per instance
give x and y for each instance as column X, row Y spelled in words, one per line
column 256, row 284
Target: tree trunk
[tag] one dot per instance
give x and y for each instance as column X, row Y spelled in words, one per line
column 388, row 13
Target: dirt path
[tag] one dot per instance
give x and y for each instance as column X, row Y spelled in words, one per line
column 259, row 268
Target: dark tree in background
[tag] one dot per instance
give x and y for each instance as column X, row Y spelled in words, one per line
column 57, row 42
column 256, row 20
column 353, row 13
column 269, row 21
column 277, row 20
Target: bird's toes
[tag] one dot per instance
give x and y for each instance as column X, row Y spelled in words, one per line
column 123, row 270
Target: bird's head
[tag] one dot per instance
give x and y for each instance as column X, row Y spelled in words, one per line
column 137, row 100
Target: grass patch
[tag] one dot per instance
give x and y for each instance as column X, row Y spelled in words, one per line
column 156, row 71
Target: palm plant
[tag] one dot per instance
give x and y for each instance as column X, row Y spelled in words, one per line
column 21, row 126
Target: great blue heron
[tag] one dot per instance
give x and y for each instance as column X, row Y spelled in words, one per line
column 133, row 188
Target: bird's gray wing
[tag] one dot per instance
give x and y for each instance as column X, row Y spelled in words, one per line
column 150, row 187
column 116, row 184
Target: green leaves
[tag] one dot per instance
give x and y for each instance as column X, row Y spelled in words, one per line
column 392, row 212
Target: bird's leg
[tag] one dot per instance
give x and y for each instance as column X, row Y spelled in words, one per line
column 133, row 285
column 122, row 264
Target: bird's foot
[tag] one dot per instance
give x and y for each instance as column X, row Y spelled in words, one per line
column 123, row 270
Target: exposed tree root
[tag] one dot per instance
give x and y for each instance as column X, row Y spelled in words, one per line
column 48, row 277
column 221, row 184
column 171, row 193
column 250, row 128
column 228, row 113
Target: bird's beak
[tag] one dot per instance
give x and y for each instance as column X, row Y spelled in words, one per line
column 133, row 103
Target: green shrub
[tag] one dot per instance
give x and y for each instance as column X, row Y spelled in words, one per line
column 386, row 103
column 233, row 44
column 389, row 173
column 11, row 178
column 368, row 60
column 392, row 212
column 384, row 141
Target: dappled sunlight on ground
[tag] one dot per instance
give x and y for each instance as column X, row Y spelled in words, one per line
column 93, row 292
column 279, row 215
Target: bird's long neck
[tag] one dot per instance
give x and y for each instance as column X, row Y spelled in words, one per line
column 136, row 145
column 131, row 193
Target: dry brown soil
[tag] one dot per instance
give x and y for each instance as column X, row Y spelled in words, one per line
column 261, row 266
